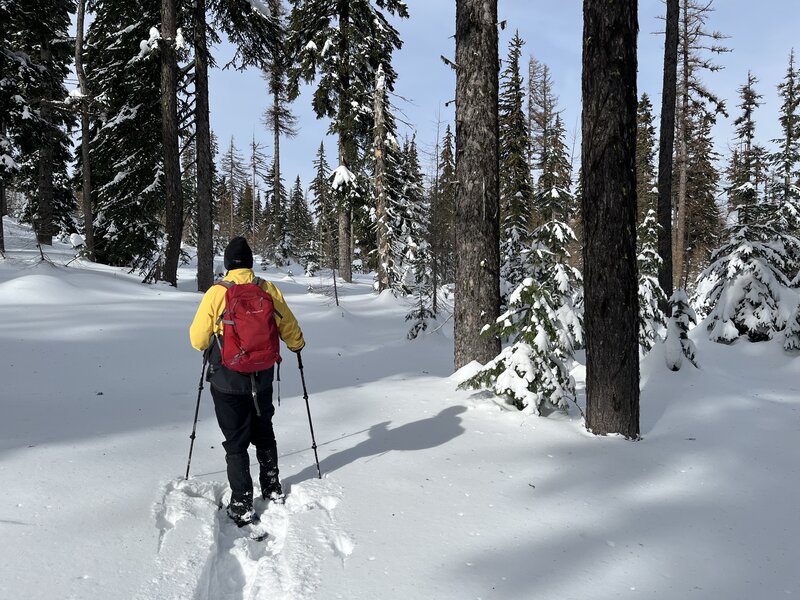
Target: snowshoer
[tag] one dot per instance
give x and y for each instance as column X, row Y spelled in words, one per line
column 243, row 401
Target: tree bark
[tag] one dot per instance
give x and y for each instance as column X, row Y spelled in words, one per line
column 666, row 149
column 205, row 236
column 44, row 215
column 346, row 148
column 86, row 201
column 679, row 249
column 3, row 201
column 609, row 212
column 477, row 172
column 380, row 187
column 169, row 131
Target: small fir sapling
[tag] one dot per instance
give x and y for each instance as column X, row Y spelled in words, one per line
column 678, row 345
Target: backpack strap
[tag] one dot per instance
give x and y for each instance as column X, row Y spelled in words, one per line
column 226, row 284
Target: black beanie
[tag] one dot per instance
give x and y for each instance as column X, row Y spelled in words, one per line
column 238, row 255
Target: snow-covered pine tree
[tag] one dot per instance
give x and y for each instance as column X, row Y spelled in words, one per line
column 339, row 45
column 696, row 48
column 703, row 217
column 443, row 208
column 126, row 146
column 417, row 257
column 324, row 210
column 276, row 249
column 786, row 160
column 652, row 320
column 299, row 227
column 44, row 144
column 744, row 284
column 543, row 322
column 516, row 191
column 646, row 192
column 678, row 345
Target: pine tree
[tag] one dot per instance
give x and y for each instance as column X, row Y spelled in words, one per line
column 276, row 249
column 516, row 191
column 324, row 209
column 477, row 301
column 235, row 177
column 678, row 345
column 125, row 149
column 343, row 58
column 646, row 194
column 696, row 49
column 786, row 160
column 300, row 227
column 44, row 145
column 609, row 217
column 791, row 336
column 652, row 320
column 443, row 207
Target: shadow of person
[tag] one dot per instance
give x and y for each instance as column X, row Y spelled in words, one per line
column 419, row 435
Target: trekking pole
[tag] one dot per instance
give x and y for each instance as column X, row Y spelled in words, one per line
column 308, row 409
column 196, row 411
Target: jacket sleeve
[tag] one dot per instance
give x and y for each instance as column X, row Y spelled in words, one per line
column 205, row 319
column 288, row 327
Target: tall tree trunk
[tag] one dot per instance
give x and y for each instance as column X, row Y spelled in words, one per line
column 346, row 146
column 86, row 204
column 3, row 201
column 609, row 213
column 666, row 149
column 169, row 134
column 276, row 200
column 44, row 219
column 679, row 249
column 380, row 183
column 205, row 167
column 477, row 173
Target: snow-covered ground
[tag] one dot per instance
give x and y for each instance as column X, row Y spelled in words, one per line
column 428, row 492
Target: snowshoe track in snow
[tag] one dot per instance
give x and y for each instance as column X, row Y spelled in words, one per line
column 203, row 555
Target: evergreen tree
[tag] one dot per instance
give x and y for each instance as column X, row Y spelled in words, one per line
column 443, row 208
column 44, row 144
column 678, row 345
column 234, row 177
column 786, row 160
column 324, row 209
column 189, row 187
column 299, row 227
column 651, row 297
column 276, row 248
column 516, row 191
column 791, row 336
column 646, row 194
column 696, row 49
column 340, row 45
column 125, row 150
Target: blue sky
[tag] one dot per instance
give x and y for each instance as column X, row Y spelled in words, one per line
column 760, row 37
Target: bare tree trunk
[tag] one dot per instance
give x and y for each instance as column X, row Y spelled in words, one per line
column 86, row 202
column 169, row 131
column 679, row 249
column 205, row 236
column 477, row 173
column 346, row 148
column 44, row 220
column 3, row 201
column 380, row 186
column 666, row 149
column 609, row 213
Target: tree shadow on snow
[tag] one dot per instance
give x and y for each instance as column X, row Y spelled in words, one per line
column 419, row 435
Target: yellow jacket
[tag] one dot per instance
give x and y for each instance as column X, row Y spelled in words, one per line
column 213, row 303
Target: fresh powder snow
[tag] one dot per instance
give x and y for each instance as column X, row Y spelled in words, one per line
column 427, row 492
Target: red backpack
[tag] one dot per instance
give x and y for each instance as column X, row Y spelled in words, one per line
column 250, row 334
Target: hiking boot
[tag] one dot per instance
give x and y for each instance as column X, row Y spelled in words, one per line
column 271, row 490
column 240, row 510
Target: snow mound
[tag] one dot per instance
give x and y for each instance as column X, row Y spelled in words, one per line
column 40, row 289
column 467, row 371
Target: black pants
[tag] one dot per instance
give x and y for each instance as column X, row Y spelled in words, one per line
column 241, row 426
